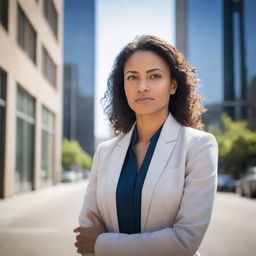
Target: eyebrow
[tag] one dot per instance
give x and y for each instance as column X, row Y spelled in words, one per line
column 148, row 71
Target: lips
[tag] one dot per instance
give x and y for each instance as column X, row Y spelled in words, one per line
column 144, row 99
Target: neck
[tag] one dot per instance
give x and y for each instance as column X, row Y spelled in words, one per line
column 147, row 125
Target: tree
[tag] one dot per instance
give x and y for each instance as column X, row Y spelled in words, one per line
column 237, row 145
column 72, row 154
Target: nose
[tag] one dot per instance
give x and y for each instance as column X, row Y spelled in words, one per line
column 142, row 86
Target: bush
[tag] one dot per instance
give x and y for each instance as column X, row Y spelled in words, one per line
column 73, row 154
column 237, row 145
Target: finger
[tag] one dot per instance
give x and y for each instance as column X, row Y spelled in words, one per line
column 78, row 237
column 76, row 230
column 80, row 229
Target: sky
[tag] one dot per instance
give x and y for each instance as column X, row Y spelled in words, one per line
column 118, row 23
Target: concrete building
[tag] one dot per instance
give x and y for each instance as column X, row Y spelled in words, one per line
column 218, row 38
column 30, row 94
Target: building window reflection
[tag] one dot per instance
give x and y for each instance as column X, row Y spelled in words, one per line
column 250, row 36
column 47, row 149
column 51, row 16
column 3, row 81
column 49, row 68
column 220, row 42
column 25, row 141
column 250, row 53
column 4, row 13
column 26, row 35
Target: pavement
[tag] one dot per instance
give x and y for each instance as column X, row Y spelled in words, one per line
column 22, row 204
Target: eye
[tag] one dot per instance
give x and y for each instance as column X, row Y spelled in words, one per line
column 130, row 77
column 156, row 76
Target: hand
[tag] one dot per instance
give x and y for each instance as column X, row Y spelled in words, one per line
column 85, row 241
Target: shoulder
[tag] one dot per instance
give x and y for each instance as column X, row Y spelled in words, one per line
column 197, row 135
column 108, row 145
column 197, row 140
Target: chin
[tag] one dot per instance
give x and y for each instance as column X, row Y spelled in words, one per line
column 147, row 111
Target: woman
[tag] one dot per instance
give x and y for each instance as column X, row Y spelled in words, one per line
column 152, row 188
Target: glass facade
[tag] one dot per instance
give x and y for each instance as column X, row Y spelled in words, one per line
column 3, row 80
column 204, row 46
column 81, row 16
column 25, row 141
column 250, row 53
column 221, row 43
column 47, row 148
column 250, row 42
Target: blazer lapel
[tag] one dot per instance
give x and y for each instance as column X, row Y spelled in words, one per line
column 116, row 164
column 162, row 153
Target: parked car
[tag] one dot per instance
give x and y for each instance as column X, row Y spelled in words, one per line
column 247, row 185
column 68, row 176
column 86, row 173
column 226, row 182
column 74, row 175
column 79, row 174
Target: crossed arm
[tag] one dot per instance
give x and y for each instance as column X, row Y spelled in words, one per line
column 192, row 220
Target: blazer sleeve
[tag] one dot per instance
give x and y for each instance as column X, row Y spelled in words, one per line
column 193, row 217
column 90, row 202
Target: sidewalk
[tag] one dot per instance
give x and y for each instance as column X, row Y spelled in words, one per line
column 22, row 204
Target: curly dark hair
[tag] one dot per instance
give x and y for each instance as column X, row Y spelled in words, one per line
column 185, row 105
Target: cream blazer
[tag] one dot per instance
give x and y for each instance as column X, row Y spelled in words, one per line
column 177, row 196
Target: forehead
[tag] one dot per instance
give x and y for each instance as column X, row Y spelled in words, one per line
column 145, row 59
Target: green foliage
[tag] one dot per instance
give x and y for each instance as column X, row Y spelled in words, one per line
column 73, row 154
column 237, row 145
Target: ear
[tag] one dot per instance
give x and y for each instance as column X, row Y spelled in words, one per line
column 174, row 86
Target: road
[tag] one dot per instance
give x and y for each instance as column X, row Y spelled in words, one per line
column 46, row 228
column 232, row 231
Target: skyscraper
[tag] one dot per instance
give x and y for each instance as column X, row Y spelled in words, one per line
column 218, row 39
column 69, row 101
column 79, row 50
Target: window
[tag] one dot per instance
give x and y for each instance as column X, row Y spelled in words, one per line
column 47, row 148
column 4, row 13
column 25, row 140
column 51, row 16
column 49, row 68
column 26, row 35
column 3, row 81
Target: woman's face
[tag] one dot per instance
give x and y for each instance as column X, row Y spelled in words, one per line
column 147, row 83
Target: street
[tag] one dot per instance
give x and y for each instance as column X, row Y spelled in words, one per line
column 232, row 231
column 45, row 227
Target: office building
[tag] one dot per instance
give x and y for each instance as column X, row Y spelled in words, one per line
column 79, row 50
column 30, row 94
column 218, row 38
column 69, row 101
